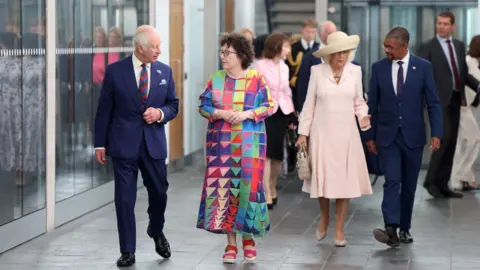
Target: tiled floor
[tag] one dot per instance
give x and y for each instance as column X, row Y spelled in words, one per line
column 445, row 234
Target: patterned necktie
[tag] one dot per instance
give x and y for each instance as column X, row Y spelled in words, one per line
column 143, row 85
column 400, row 79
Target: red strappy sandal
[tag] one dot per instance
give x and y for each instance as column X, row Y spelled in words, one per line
column 249, row 254
column 230, row 257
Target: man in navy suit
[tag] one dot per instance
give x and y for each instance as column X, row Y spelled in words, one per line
column 400, row 86
column 136, row 101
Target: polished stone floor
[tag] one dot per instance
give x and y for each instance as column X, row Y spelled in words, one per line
column 445, row 234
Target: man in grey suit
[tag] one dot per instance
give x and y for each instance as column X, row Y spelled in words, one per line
column 447, row 56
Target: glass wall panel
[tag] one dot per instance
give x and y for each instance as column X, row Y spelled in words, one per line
column 90, row 35
column 419, row 17
column 22, row 108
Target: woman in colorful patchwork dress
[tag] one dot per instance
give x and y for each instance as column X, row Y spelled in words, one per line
column 236, row 102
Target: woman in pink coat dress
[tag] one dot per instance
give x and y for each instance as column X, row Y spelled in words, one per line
column 275, row 72
column 334, row 98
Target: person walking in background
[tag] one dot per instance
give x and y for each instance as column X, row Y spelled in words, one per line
column 468, row 142
column 450, row 71
column 400, row 85
column 136, row 101
column 247, row 33
column 308, row 60
column 273, row 68
column 236, row 102
column 334, row 98
column 299, row 49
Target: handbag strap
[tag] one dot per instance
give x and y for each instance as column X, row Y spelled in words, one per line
column 303, row 150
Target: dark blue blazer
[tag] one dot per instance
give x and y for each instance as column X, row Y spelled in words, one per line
column 119, row 124
column 308, row 61
column 389, row 113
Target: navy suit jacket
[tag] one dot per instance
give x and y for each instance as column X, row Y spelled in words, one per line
column 308, row 61
column 119, row 124
column 389, row 113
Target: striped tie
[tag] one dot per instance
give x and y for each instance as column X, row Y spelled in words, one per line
column 143, row 85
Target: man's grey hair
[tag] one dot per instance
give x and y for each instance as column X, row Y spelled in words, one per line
column 325, row 25
column 399, row 34
column 141, row 38
column 142, row 35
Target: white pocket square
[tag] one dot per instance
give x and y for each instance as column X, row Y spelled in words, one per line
column 163, row 82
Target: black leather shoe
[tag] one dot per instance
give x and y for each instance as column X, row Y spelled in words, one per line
column 127, row 259
column 388, row 236
column 451, row 194
column 274, row 201
column 405, row 237
column 433, row 191
column 270, row 206
column 162, row 247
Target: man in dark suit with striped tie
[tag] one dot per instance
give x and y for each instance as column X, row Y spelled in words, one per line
column 136, row 101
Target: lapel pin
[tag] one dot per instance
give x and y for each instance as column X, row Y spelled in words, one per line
column 414, row 67
column 159, row 72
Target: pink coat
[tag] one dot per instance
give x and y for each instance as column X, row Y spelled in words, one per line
column 339, row 168
column 279, row 87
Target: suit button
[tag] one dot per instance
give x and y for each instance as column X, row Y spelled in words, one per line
column 400, row 118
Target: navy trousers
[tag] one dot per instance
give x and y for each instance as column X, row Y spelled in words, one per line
column 154, row 174
column 401, row 166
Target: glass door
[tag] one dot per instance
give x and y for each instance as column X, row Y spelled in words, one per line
column 22, row 121
column 91, row 34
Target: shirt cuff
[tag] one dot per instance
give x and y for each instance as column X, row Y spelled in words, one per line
column 99, row 148
column 163, row 115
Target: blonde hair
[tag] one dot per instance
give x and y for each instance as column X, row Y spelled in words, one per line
column 102, row 32
column 310, row 23
column 243, row 31
column 115, row 30
column 351, row 56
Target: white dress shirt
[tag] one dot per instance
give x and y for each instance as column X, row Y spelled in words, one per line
column 446, row 51
column 306, row 44
column 396, row 66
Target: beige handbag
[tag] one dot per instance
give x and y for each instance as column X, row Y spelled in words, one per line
column 303, row 163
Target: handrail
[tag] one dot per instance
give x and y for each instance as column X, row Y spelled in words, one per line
column 268, row 10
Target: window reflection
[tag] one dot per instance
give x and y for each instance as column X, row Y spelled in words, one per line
column 22, row 108
column 418, row 18
column 91, row 34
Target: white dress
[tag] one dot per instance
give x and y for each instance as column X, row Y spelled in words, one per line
column 468, row 141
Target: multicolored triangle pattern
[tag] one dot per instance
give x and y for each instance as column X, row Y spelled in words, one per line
column 233, row 198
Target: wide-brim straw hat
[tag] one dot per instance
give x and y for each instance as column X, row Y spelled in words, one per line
column 338, row 42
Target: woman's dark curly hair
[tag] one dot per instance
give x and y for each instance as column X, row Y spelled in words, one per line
column 241, row 45
column 474, row 47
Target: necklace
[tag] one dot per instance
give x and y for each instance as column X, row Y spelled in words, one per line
column 337, row 77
